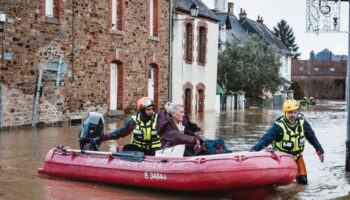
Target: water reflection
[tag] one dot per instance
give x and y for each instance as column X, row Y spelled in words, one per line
column 72, row 190
column 23, row 151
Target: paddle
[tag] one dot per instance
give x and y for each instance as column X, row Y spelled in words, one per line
column 136, row 156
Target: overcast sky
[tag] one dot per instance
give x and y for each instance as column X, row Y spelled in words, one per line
column 294, row 12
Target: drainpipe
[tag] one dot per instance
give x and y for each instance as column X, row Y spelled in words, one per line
column 170, row 56
column 73, row 40
column 347, row 159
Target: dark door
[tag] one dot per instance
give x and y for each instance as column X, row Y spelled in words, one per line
column 188, row 99
column 200, row 101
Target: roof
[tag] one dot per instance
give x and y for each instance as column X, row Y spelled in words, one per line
column 326, row 54
column 237, row 30
column 233, row 28
column 318, row 68
column 222, row 17
column 203, row 10
column 260, row 29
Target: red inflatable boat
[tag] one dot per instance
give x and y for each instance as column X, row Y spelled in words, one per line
column 230, row 171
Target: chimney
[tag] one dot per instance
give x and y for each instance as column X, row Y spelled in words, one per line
column 230, row 8
column 242, row 15
column 312, row 55
column 260, row 20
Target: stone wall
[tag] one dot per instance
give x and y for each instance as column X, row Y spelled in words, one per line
column 87, row 42
column 17, row 107
column 320, row 79
column 322, row 87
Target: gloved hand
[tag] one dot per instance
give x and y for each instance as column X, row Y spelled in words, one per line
column 320, row 154
column 197, row 147
column 96, row 140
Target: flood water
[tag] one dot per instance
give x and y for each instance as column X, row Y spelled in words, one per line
column 23, row 151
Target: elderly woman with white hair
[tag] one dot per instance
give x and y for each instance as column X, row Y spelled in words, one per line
column 172, row 131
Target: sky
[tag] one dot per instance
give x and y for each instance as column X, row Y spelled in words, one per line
column 294, row 12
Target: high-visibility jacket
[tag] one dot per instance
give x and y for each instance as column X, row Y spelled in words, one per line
column 293, row 142
column 144, row 135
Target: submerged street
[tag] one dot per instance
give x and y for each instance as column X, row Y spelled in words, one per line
column 23, row 151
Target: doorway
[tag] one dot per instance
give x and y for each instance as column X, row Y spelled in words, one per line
column 188, row 99
column 151, row 82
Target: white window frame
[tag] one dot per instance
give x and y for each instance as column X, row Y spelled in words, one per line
column 113, row 87
column 150, row 82
column 49, row 8
column 114, row 14
column 151, row 15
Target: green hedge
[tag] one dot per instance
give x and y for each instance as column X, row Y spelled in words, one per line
column 298, row 91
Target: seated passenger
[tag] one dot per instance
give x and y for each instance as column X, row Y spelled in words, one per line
column 172, row 131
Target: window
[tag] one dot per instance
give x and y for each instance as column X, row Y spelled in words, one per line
column 150, row 82
column 117, row 10
column 113, row 86
column 114, row 14
column 189, row 43
column 286, row 64
column 153, row 17
column 51, row 10
column 202, row 45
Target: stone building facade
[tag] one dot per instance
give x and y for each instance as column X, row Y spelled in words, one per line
column 320, row 79
column 115, row 52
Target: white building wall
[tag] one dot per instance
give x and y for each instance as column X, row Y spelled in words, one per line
column 285, row 70
column 194, row 73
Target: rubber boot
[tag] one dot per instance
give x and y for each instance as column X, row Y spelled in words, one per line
column 302, row 180
column 302, row 175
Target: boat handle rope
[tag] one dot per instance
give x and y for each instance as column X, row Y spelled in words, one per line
column 199, row 160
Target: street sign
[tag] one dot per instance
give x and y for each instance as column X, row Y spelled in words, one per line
column 322, row 16
column 55, row 68
column 7, row 56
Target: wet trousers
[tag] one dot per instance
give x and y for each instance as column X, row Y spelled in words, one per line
column 302, row 174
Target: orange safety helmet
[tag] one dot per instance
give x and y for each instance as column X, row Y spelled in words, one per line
column 290, row 105
column 144, row 102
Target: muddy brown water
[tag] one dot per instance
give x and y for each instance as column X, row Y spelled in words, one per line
column 22, row 151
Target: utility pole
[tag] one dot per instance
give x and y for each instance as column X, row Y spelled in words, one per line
column 170, row 56
column 2, row 31
column 347, row 159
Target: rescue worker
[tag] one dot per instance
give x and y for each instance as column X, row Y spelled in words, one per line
column 312, row 101
column 142, row 125
column 288, row 134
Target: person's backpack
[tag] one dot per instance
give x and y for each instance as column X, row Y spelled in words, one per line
column 210, row 147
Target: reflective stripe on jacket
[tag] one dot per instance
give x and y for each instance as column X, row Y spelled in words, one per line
column 145, row 136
